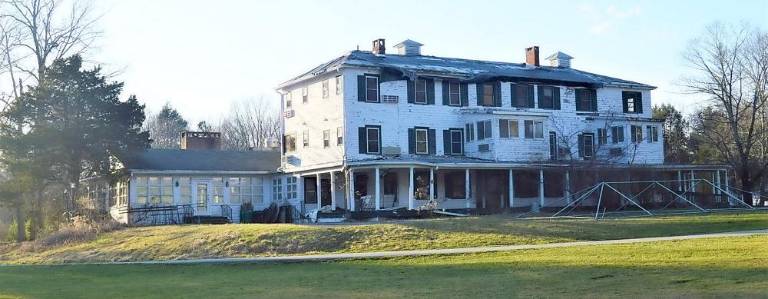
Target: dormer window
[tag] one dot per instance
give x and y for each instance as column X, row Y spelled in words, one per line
column 420, row 87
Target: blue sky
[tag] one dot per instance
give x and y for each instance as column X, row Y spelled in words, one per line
column 202, row 57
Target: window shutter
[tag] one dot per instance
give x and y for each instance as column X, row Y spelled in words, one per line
column 479, row 88
column 581, row 145
column 411, row 90
column 447, row 142
column 362, row 141
column 513, row 94
column 639, row 103
column 624, row 102
column 540, row 90
column 593, row 99
column 411, row 141
column 432, row 140
column 445, row 92
column 531, row 101
column 464, row 94
column 361, row 88
column 557, row 98
column 431, row 91
column 480, row 130
column 497, row 94
column 283, row 144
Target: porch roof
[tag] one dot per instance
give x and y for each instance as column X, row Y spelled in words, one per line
column 468, row 162
column 204, row 160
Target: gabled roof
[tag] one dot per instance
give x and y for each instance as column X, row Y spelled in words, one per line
column 559, row 55
column 408, row 42
column 204, row 160
column 465, row 69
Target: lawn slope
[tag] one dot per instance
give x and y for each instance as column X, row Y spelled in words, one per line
column 720, row 267
column 206, row 241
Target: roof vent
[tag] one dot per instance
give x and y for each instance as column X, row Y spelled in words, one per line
column 560, row 59
column 379, row 47
column 409, row 47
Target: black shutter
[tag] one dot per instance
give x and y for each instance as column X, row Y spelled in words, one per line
column 581, row 145
column 531, row 101
column 624, row 101
column 479, row 87
column 639, row 102
column 411, row 91
column 464, row 94
column 361, row 88
column 497, row 94
column 284, row 144
column 411, row 141
column 432, row 140
column 513, row 94
column 445, row 93
column 540, row 92
column 447, row 142
column 556, row 99
column 430, row 91
column 593, row 99
column 362, row 140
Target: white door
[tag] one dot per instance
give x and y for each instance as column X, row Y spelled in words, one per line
column 202, row 194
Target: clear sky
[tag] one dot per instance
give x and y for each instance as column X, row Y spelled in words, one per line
column 203, row 55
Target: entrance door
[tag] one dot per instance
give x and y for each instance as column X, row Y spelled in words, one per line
column 325, row 192
column 203, row 196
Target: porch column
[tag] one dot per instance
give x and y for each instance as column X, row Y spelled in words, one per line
column 411, row 199
column 333, row 191
column 511, row 188
column 467, row 188
column 431, row 183
column 567, row 186
column 716, row 182
column 541, row 188
column 693, row 184
column 726, row 181
column 351, row 190
column 378, row 188
column 679, row 181
column 318, row 192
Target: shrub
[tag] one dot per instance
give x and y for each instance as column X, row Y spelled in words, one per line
column 80, row 230
column 11, row 235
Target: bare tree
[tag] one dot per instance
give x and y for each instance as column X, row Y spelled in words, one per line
column 250, row 124
column 730, row 69
column 165, row 127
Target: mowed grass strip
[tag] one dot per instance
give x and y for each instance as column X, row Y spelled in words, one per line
column 216, row 241
column 718, row 267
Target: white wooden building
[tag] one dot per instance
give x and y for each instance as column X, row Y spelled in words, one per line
column 373, row 130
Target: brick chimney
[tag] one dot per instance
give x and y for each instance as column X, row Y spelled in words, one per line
column 379, row 47
column 532, row 56
column 200, row 140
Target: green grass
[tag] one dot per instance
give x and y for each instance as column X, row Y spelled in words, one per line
column 717, row 267
column 204, row 241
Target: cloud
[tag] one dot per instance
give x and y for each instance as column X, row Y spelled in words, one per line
column 605, row 19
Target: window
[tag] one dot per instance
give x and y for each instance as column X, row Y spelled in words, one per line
column 454, row 142
column 373, row 139
column 325, row 89
column 326, row 138
column 617, row 134
column 304, row 94
column 234, row 190
column 488, row 95
column 508, row 128
column 454, row 94
column 534, row 129
column 338, row 85
column 160, row 190
column 421, row 184
column 277, row 189
column 522, row 96
column 339, row 136
column 141, row 190
column 291, row 187
column 371, row 89
column 185, row 190
column 305, row 138
column 637, row 133
column 586, row 99
column 121, row 193
column 288, row 100
column 218, row 190
column 602, row 136
column 587, row 146
column 470, row 129
column 455, row 185
column 290, row 143
column 552, row 146
column 422, row 141
column 633, row 102
column 484, row 130
column 256, row 191
column 549, row 97
column 653, row 134
column 420, row 91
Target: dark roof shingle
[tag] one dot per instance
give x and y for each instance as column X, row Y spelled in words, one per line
column 204, row 160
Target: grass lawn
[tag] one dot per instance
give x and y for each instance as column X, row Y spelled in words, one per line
column 718, row 267
column 203, row 241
